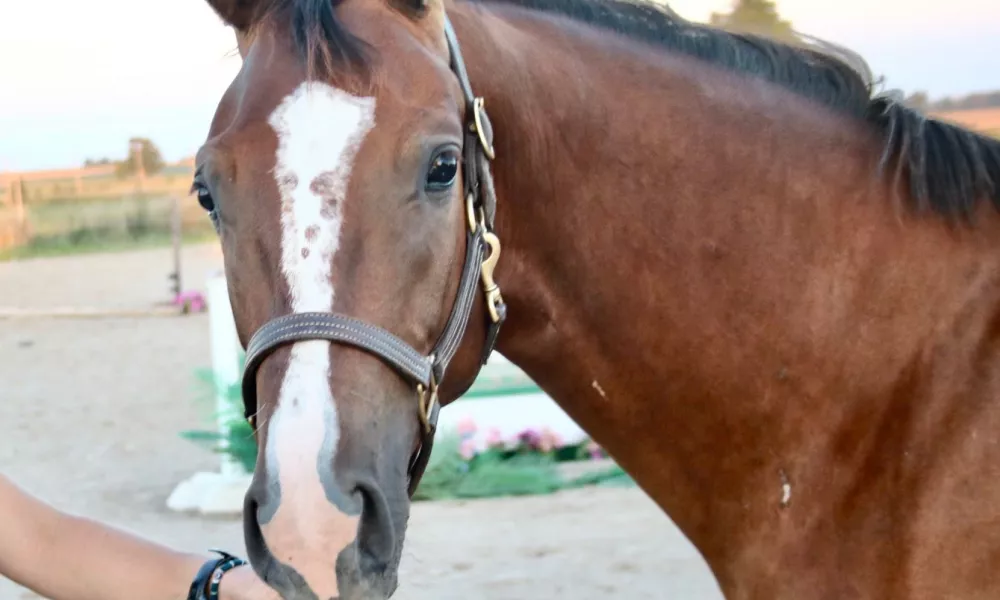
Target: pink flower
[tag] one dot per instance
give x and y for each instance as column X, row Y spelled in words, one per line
column 595, row 450
column 549, row 440
column 530, row 438
column 494, row 439
column 467, row 449
column 190, row 301
column 467, row 427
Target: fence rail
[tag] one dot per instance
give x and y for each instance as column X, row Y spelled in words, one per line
column 62, row 211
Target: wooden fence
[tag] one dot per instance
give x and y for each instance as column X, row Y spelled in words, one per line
column 75, row 205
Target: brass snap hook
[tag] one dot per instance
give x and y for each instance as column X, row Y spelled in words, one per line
column 490, row 287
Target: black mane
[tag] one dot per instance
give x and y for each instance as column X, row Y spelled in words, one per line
column 950, row 168
column 828, row 77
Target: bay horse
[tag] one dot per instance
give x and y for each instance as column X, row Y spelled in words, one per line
column 770, row 293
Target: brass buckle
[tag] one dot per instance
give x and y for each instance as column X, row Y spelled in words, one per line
column 477, row 114
column 426, row 399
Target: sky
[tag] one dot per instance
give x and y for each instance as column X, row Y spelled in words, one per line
column 78, row 79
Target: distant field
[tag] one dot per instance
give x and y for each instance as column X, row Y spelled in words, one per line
column 986, row 120
column 60, row 227
column 80, row 185
column 73, row 211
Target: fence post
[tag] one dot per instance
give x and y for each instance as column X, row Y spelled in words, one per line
column 19, row 213
column 175, row 236
column 222, row 491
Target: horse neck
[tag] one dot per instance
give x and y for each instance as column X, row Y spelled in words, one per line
column 585, row 222
column 684, row 254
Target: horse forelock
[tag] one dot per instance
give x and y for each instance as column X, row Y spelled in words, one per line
column 323, row 42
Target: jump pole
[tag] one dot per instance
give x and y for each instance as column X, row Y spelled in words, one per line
column 226, row 353
column 220, row 492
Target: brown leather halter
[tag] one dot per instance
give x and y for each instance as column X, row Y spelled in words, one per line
column 424, row 371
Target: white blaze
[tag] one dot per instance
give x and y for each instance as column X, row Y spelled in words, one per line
column 319, row 130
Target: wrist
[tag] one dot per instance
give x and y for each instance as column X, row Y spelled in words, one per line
column 241, row 583
column 208, row 577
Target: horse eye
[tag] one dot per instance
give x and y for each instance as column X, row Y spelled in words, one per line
column 443, row 171
column 204, row 196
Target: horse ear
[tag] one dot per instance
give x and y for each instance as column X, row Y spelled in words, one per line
column 431, row 19
column 239, row 14
column 418, row 9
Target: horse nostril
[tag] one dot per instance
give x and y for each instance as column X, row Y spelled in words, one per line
column 253, row 538
column 376, row 531
column 263, row 562
column 282, row 577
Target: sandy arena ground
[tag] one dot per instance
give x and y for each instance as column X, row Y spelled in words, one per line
column 89, row 415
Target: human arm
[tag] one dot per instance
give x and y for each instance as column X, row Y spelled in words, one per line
column 65, row 557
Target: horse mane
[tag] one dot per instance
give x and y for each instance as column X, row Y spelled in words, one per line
column 950, row 168
column 835, row 77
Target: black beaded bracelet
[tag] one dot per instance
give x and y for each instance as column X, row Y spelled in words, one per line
column 206, row 582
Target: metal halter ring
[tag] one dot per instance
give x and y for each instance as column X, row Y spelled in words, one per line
column 477, row 109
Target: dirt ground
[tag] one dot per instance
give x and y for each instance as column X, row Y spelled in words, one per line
column 89, row 415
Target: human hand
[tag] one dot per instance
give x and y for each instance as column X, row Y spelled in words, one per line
column 242, row 583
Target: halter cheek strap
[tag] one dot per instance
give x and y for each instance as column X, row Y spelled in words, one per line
column 424, row 371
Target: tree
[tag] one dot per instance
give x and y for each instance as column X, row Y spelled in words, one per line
column 918, row 100
column 143, row 159
column 759, row 17
column 970, row 102
column 979, row 100
column 91, row 162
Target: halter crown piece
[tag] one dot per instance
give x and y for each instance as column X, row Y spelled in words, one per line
column 424, row 371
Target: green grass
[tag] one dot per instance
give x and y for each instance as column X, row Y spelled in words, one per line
column 138, row 213
column 94, row 242
column 62, row 227
column 494, row 474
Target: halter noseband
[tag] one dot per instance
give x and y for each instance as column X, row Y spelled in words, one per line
column 424, row 372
